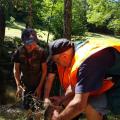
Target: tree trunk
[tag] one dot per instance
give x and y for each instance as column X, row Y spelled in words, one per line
column 67, row 19
column 30, row 16
column 2, row 24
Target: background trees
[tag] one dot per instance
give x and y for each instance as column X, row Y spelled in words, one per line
column 104, row 14
column 87, row 15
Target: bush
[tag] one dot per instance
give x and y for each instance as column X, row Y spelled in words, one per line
column 114, row 25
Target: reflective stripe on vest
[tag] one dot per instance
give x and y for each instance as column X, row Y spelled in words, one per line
column 68, row 76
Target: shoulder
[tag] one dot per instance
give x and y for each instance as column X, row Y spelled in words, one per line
column 40, row 49
column 18, row 51
column 16, row 54
column 21, row 49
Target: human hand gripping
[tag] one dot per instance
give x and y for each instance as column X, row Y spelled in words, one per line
column 55, row 115
column 56, row 100
column 20, row 91
column 47, row 102
column 37, row 92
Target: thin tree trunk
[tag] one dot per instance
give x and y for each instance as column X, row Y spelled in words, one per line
column 2, row 24
column 67, row 19
column 30, row 16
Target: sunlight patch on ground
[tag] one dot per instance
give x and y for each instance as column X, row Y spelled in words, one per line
column 17, row 28
column 97, row 35
column 11, row 32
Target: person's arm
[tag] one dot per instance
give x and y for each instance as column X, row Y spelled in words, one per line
column 75, row 107
column 52, row 71
column 48, row 86
column 38, row 90
column 69, row 94
column 16, row 72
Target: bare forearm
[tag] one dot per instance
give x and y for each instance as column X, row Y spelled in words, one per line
column 48, row 85
column 66, row 99
column 47, row 90
column 44, row 73
column 71, row 111
column 16, row 73
column 75, row 107
column 17, row 78
column 42, row 79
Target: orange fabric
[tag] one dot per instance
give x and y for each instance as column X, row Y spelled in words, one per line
column 107, row 84
column 68, row 75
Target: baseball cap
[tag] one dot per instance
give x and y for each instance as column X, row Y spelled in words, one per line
column 60, row 45
column 28, row 36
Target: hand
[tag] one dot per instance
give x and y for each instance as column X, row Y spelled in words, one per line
column 69, row 90
column 55, row 115
column 20, row 91
column 56, row 100
column 49, row 111
column 37, row 92
column 47, row 102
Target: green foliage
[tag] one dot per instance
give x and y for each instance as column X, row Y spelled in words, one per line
column 79, row 20
column 115, row 26
column 99, row 12
column 12, row 20
column 104, row 13
column 6, row 4
column 53, row 16
column 49, row 14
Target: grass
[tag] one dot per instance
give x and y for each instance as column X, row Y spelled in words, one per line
column 15, row 30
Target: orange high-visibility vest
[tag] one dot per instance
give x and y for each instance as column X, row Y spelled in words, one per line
column 68, row 76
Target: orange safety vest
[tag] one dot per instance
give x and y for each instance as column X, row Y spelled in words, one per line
column 68, row 75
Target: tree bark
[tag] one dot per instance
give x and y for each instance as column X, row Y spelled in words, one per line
column 67, row 19
column 30, row 16
column 2, row 24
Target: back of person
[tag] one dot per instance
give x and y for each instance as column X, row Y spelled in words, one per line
column 113, row 94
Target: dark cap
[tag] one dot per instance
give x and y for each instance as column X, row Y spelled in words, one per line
column 28, row 36
column 59, row 46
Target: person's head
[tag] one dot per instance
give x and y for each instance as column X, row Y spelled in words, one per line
column 62, row 51
column 29, row 38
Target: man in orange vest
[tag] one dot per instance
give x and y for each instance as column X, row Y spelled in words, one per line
column 83, row 69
